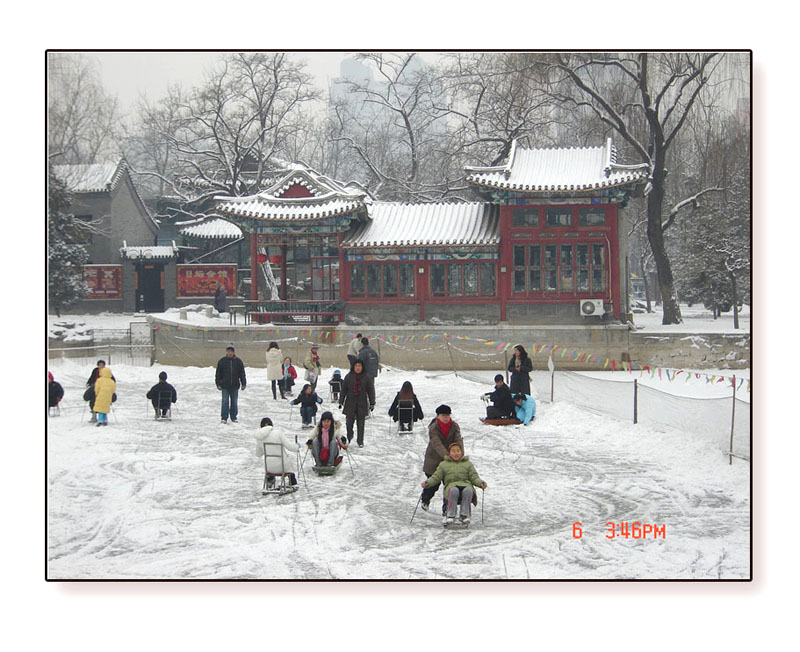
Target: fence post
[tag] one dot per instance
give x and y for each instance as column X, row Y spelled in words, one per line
column 635, row 400
column 733, row 420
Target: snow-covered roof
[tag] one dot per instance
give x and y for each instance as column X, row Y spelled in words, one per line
column 94, row 177
column 398, row 224
column 147, row 252
column 325, row 198
column 579, row 169
column 212, row 228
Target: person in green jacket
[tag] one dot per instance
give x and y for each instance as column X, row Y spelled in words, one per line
column 459, row 477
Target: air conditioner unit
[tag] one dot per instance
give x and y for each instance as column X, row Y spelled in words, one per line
column 592, row 307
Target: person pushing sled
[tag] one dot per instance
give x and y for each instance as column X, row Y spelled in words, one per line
column 459, row 477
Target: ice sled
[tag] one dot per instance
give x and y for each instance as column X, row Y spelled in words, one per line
column 500, row 422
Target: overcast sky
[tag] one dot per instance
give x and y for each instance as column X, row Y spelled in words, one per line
column 127, row 74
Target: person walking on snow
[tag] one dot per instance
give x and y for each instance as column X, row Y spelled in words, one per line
column 525, row 408
column 104, row 389
column 229, row 377
column 287, row 379
column 442, row 432
column 459, row 477
column 520, row 366
column 353, row 349
column 275, row 368
column 357, row 400
column 88, row 395
column 369, row 357
column 268, row 434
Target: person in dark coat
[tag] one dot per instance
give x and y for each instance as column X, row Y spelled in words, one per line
column 502, row 400
column 520, row 366
column 220, row 299
column 89, row 394
column 369, row 357
column 406, row 398
column 442, row 432
column 230, row 375
column 162, row 395
column 55, row 392
column 356, row 400
column 308, row 400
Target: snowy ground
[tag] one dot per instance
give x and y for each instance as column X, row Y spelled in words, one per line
column 143, row 499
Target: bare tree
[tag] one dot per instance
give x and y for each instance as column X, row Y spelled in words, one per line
column 227, row 137
column 662, row 90
column 82, row 119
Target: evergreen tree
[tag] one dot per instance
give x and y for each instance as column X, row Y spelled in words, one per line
column 65, row 257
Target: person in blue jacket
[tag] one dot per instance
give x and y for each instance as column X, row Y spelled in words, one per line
column 525, row 408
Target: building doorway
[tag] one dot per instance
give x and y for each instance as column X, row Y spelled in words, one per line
column 150, row 288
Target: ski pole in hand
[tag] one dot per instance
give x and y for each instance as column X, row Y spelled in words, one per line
column 483, row 499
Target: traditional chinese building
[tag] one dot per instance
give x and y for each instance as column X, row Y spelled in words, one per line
column 127, row 271
column 545, row 245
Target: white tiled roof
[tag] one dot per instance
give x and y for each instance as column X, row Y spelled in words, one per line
column 397, row 224
column 328, row 199
column 551, row 170
column 212, row 228
column 294, row 209
column 96, row 177
column 141, row 251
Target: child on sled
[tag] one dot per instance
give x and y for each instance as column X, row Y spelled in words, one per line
column 459, row 477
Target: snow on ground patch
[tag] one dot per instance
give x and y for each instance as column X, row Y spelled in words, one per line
column 182, row 499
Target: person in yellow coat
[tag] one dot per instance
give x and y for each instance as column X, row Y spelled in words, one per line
column 104, row 389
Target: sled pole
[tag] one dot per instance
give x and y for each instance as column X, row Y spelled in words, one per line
column 483, row 499
column 415, row 509
column 299, row 465
column 347, row 450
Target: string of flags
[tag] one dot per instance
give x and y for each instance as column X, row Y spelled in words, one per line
column 551, row 350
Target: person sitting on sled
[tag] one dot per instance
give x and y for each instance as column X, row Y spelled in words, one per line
column 336, row 385
column 502, row 402
column 442, row 432
column 525, row 408
column 308, row 400
column 162, row 395
column 406, row 398
column 326, row 438
column 459, row 477
column 268, row 434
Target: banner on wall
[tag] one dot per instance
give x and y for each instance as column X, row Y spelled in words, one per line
column 201, row 280
column 104, row 281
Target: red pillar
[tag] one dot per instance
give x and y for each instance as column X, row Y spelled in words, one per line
column 284, row 289
column 254, row 266
column 505, row 261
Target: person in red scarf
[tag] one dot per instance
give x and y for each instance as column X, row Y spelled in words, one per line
column 357, row 399
column 442, row 432
column 312, row 365
column 326, row 438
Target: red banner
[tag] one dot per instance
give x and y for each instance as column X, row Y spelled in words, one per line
column 104, row 281
column 201, row 280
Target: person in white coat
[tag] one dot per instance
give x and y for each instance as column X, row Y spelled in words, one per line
column 275, row 368
column 268, row 434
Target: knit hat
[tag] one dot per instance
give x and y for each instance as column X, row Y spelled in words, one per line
column 455, row 443
column 498, row 377
column 443, row 409
column 162, row 375
column 229, row 348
